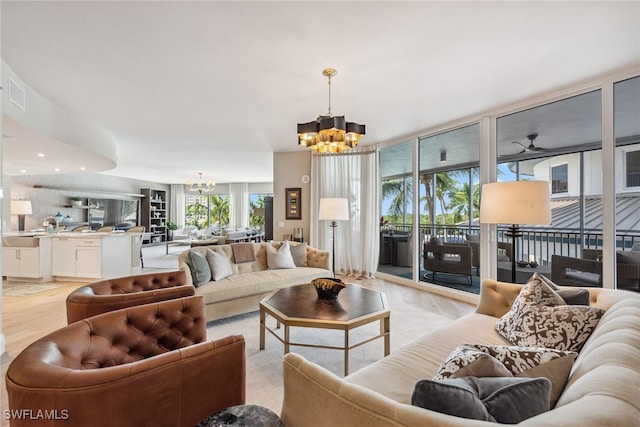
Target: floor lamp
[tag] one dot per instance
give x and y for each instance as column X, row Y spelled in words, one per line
column 21, row 208
column 333, row 209
column 515, row 203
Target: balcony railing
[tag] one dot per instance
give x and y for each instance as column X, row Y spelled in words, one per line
column 540, row 244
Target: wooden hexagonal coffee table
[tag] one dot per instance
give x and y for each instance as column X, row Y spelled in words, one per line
column 299, row 306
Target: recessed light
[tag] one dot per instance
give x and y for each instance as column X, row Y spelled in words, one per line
column 82, row 168
column 23, row 171
column 40, row 154
column 57, row 169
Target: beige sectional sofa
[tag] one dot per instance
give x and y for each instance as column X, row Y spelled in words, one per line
column 252, row 281
column 603, row 388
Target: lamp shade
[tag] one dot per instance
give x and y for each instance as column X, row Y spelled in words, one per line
column 21, row 207
column 515, row 202
column 334, row 209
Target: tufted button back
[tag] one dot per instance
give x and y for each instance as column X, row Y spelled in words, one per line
column 121, row 292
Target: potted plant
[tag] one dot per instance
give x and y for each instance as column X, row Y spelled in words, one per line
column 76, row 201
column 170, row 227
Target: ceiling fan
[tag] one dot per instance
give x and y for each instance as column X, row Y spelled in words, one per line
column 531, row 147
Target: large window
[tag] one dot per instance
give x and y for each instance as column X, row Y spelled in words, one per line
column 449, row 207
column 205, row 210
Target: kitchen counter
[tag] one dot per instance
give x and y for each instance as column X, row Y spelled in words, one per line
column 70, row 256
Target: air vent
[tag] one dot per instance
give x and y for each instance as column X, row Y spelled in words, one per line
column 16, row 94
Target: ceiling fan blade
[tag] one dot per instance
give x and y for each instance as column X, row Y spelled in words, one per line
column 524, row 147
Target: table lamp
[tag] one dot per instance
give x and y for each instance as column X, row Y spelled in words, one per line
column 333, row 209
column 21, row 208
column 515, row 203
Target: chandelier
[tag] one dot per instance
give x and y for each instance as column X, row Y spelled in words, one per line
column 200, row 186
column 329, row 134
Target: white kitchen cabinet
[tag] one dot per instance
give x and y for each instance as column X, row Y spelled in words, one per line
column 92, row 257
column 63, row 256
column 31, row 261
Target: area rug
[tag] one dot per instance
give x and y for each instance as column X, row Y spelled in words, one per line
column 20, row 289
column 264, row 367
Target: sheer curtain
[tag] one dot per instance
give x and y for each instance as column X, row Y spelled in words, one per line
column 177, row 205
column 353, row 176
column 239, row 205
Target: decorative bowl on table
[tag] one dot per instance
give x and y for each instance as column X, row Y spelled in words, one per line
column 523, row 263
column 328, row 288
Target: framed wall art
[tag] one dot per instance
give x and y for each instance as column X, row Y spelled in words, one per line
column 294, row 204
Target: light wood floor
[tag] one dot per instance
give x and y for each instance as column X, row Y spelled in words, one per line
column 27, row 318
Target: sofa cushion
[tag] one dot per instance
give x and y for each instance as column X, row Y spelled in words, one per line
column 200, row 270
column 540, row 318
column 299, row 254
column 219, row 263
column 498, row 399
column 499, row 361
column 281, row 257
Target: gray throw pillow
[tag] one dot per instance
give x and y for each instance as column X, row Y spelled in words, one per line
column 299, row 254
column 200, row 271
column 504, row 400
column 575, row 296
column 438, row 242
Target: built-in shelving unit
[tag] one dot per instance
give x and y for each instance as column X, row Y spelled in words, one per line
column 153, row 214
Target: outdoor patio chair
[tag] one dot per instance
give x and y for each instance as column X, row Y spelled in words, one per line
column 449, row 258
column 587, row 271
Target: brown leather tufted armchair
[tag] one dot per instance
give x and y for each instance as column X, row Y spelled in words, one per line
column 107, row 295
column 145, row 365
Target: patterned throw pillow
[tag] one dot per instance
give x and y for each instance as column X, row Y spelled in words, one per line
column 506, row 361
column 540, row 318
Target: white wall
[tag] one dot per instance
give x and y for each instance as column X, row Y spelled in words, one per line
column 593, row 164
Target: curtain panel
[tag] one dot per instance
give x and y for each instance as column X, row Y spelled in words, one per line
column 355, row 177
column 177, row 205
column 239, row 205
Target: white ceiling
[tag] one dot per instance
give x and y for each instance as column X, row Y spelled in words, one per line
column 217, row 87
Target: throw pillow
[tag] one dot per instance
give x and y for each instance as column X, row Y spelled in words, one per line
column 502, row 400
column 280, row 258
column 219, row 263
column 574, row 296
column 438, row 242
column 200, row 271
column 505, row 361
column 540, row 318
column 299, row 254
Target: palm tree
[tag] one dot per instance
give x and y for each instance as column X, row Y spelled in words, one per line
column 400, row 191
column 459, row 202
column 256, row 220
column 218, row 210
column 194, row 214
